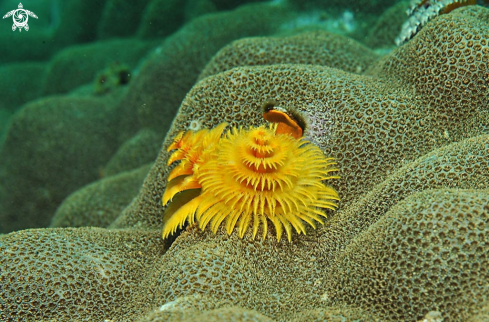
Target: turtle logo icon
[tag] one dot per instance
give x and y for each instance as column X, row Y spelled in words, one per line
column 20, row 17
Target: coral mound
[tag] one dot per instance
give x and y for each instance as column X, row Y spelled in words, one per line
column 408, row 241
column 445, row 230
column 85, row 274
column 250, row 176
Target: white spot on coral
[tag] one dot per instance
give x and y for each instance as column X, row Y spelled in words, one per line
column 446, row 135
column 320, row 125
column 325, row 297
column 196, row 124
column 180, row 304
column 170, row 306
column 432, row 316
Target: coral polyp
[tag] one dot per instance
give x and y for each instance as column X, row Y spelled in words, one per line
column 253, row 177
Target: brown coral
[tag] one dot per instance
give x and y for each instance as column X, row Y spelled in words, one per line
column 381, row 128
column 414, row 151
column 99, row 203
column 309, row 48
column 73, row 274
column 427, row 253
column 200, row 259
column 446, row 67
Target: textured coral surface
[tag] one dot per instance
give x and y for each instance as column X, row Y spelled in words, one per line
column 312, row 48
column 411, row 137
column 395, row 132
column 99, row 203
column 427, row 252
column 73, row 274
column 54, row 146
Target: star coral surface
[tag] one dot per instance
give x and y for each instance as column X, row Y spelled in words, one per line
column 411, row 137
